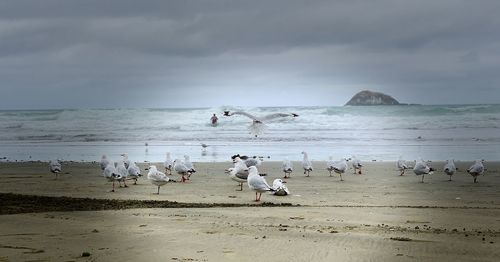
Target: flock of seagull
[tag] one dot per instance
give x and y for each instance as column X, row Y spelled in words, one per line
column 245, row 170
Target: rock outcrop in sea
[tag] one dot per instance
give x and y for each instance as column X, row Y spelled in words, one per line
column 370, row 98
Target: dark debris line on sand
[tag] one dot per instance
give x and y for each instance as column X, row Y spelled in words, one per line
column 16, row 203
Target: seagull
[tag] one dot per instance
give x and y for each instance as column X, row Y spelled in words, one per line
column 253, row 162
column 257, row 183
column 168, row 164
column 126, row 162
column 287, row 168
column 279, row 188
column 122, row 170
column 238, row 175
column 104, row 162
column 340, row 167
column 189, row 165
column 356, row 164
column 306, row 164
column 111, row 174
column 258, row 127
column 181, row 169
column 55, row 167
column 421, row 168
column 449, row 168
column 476, row 169
column 134, row 172
column 330, row 165
column 204, row 146
column 157, row 178
column 402, row 166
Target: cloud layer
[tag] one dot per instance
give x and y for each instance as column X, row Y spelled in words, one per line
column 67, row 54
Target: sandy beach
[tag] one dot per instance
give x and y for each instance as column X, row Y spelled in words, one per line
column 377, row 216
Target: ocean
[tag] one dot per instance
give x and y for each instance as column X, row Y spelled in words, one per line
column 381, row 133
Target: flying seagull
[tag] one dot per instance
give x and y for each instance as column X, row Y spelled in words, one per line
column 258, row 126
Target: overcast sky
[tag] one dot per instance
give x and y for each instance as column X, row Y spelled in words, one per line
column 129, row 53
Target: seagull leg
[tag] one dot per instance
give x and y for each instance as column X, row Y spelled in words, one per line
column 475, row 181
column 113, row 187
column 124, row 183
column 450, row 178
column 260, row 194
column 330, row 172
column 256, row 200
column 423, row 178
column 158, row 190
column 135, row 181
column 341, row 178
column 241, row 187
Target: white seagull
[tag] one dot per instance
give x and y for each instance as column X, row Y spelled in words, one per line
column 257, row 183
column 356, row 164
column 126, row 161
column 181, row 169
column 258, row 126
column 189, row 165
column 421, row 168
column 238, row 175
column 402, row 166
column 134, row 172
column 340, row 167
column 55, row 167
column 306, row 164
column 111, row 174
column 168, row 164
column 280, row 189
column 104, row 162
column 330, row 165
column 476, row 169
column 122, row 170
column 287, row 167
column 157, row 178
column 449, row 168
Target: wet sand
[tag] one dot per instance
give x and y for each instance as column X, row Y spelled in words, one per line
column 377, row 216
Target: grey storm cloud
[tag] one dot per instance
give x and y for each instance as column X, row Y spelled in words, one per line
column 197, row 53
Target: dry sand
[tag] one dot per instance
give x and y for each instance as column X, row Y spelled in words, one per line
column 378, row 216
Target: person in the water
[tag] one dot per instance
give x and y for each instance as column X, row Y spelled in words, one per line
column 214, row 120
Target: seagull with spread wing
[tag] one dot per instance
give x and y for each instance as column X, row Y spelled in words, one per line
column 258, row 126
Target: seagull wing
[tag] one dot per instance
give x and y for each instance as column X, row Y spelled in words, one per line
column 245, row 114
column 276, row 115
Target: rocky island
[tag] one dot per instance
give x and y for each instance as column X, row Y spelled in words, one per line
column 370, row 98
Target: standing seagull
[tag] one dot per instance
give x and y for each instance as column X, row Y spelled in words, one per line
column 157, row 178
column 111, row 174
column 181, row 169
column 258, row 127
column 306, row 164
column 449, row 168
column 104, row 162
column 238, row 175
column 340, row 167
column 134, row 172
column 189, row 165
column 55, row 167
column 122, row 170
column 402, row 166
column 356, row 164
column 287, row 168
column 476, row 169
column 421, row 168
column 168, row 164
column 330, row 165
column 257, row 183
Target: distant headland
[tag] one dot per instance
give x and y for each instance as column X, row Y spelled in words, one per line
column 370, row 98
